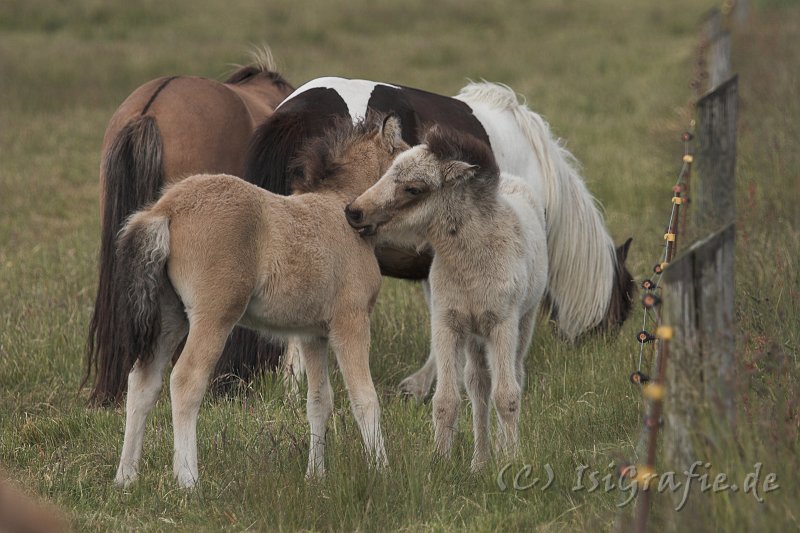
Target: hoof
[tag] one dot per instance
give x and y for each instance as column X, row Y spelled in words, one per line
column 478, row 465
column 315, row 474
column 125, row 477
column 186, row 480
column 415, row 387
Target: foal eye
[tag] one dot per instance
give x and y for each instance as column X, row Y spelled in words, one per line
column 413, row 191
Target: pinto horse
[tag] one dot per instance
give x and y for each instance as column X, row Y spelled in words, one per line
column 168, row 129
column 588, row 287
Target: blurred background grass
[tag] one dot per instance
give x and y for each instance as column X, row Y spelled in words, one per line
column 610, row 76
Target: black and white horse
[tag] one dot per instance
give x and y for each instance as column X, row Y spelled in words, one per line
column 588, row 287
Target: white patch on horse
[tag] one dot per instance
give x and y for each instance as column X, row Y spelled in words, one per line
column 355, row 93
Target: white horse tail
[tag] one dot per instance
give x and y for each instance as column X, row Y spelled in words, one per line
column 580, row 250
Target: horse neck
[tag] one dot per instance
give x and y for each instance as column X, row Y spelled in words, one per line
column 261, row 95
column 465, row 230
column 336, row 200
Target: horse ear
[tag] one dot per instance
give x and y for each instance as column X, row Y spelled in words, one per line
column 622, row 250
column 457, row 170
column 392, row 132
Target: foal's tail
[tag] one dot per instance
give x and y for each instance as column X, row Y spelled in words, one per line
column 580, row 250
column 133, row 173
column 142, row 252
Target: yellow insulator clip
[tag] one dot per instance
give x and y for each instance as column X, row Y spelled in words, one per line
column 664, row 333
column 688, row 158
column 644, row 476
column 669, row 237
column 653, row 391
column 727, row 7
column 677, row 200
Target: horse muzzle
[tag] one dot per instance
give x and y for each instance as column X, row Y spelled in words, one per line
column 355, row 217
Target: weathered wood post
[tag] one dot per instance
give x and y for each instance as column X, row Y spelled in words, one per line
column 699, row 303
column 699, row 413
column 714, row 203
column 715, row 50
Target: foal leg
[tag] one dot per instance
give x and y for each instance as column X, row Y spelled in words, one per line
column 506, row 389
column 419, row 383
column 293, row 366
column 478, row 382
column 144, row 388
column 449, row 348
column 526, row 325
column 350, row 340
column 319, row 403
column 188, row 384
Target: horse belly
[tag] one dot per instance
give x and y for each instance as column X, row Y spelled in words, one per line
column 290, row 307
column 282, row 321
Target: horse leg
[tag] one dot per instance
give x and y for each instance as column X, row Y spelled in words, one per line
column 419, row 383
column 449, row 349
column 188, row 384
column 144, row 388
column 319, row 403
column 350, row 340
column 478, row 382
column 506, row 389
column 526, row 325
column 293, row 366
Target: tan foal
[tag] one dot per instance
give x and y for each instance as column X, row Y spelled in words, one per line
column 215, row 252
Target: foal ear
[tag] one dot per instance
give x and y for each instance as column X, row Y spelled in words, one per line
column 458, row 170
column 392, row 132
column 622, row 250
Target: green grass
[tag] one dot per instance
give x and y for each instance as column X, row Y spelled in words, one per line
column 611, row 77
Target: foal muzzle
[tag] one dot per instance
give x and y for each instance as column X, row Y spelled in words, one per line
column 355, row 217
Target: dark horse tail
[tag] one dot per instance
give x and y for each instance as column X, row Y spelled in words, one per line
column 134, row 174
column 142, row 252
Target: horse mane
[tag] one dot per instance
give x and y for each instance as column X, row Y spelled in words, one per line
column 247, row 72
column 274, row 144
column 322, row 157
column 262, row 62
column 448, row 144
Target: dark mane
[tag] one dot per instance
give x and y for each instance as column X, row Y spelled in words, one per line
column 280, row 138
column 622, row 292
column 447, row 144
column 322, row 158
column 247, row 72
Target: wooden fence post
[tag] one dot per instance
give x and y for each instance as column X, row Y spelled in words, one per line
column 714, row 196
column 699, row 304
column 715, row 50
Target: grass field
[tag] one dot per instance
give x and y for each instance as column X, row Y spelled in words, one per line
column 610, row 76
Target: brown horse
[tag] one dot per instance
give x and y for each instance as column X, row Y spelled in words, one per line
column 216, row 251
column 166, row 130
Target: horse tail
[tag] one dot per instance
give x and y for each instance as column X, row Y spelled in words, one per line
column 142, row 252
column 134, row 173
column 581, row 254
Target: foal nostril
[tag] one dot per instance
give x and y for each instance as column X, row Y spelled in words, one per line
column 354, row 216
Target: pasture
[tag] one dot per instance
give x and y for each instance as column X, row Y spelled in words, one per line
column 612, row 79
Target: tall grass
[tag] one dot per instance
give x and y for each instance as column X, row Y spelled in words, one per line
column 610, row 76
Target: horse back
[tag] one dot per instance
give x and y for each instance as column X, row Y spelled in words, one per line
column 316, row 106
column 204, row 125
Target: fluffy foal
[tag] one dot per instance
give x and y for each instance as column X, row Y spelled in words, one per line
column 215, row 252
column 487, row 279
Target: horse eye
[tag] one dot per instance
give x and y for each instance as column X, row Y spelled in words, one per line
column 413, row 191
